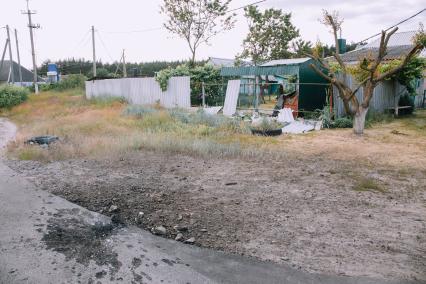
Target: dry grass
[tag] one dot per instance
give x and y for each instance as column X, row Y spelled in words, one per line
column 98, row 129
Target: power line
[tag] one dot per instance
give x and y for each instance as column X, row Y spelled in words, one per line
column 104, row 45
column 134, row 31
column 245, row 6
column 401, row 22
column 160, row 28
column 107, row 51
column 82, row 42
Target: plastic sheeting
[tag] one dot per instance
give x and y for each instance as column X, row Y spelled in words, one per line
column 285, row 115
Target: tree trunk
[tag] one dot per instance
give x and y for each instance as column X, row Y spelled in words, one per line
column 359, row 120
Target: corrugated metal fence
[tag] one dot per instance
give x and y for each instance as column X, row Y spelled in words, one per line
column 385, row 96
column 143, row 91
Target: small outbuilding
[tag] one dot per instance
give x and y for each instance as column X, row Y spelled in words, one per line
column 308, row 90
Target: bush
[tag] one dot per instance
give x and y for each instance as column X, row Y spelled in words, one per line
column 12, row 95
column 342, row 122
column 73, row 81
column 199, row 74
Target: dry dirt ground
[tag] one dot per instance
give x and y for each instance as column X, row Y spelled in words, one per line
column 317, row 213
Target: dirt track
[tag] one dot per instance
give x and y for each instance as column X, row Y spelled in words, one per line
column 303, row 212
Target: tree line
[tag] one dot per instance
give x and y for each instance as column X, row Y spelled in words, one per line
column 115, row 69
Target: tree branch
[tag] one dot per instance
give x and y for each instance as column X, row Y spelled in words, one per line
column 414, row 51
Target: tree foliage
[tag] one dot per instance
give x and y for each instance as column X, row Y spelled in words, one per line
column 12, row 95
column 270, row 35
column 369, row 72
column 197, row 21
column 199, row 74
column 84, row 67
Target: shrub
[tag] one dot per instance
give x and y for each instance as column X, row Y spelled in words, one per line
column 342, row 122
column 73, row 81
column 199, row 74
column 11, row 96
column 138, row 110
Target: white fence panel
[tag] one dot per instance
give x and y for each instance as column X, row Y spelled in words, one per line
column 143, row 91
column 231, row 99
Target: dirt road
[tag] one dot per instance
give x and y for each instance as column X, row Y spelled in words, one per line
column 306, row 213
column 46, row 239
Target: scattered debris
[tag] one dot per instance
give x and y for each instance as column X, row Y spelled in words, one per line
column 160, row 230
column 231, row 99
column 179, row 237
column 396, row 132
column 298, row 127
column 113, row 208
column 190, row 241
column 285, row 115
column 231, row 183
column 212, row 110
column 42, row 140
column 180, row 228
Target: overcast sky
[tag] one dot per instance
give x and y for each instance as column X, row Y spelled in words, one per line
column 65, row 26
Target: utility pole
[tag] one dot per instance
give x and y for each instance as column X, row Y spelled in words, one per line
column 31, row 27
column 94, row 51
column 4, row 53
column 12, row 71
column 124, row 66
column 19, row 57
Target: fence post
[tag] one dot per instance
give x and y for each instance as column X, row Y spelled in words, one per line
column 204, row 94
column 256, row 107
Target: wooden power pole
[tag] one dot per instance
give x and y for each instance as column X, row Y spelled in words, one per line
column 124, row 66
column 94, row 51
column 3, row 54
column 19, row 58
column 31, row 27
column 12, row 71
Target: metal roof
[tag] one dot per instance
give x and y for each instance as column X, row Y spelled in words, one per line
column 260, row 70
column 398, row 39
column 27, row 75
column 393, row 52
column 292, row 61
column 274, row 67
column 400, row 44
column 224, row 62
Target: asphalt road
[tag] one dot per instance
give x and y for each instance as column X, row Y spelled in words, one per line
column 46, row 239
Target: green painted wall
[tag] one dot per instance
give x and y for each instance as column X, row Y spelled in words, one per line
column 311, row 97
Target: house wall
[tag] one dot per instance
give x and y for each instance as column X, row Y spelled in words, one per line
column 143, row 91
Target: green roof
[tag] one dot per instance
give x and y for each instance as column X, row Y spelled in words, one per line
column 260, row 70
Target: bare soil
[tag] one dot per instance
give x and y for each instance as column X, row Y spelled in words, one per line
column 316, row 214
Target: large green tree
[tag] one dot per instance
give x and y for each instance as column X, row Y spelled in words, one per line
column 270, row 35
column 197, row 21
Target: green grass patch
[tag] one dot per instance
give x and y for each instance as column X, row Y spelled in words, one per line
column 368, row 184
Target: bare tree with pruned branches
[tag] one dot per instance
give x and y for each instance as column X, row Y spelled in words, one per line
column 369, row 71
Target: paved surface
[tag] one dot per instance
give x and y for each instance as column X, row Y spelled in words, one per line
column 46, row 239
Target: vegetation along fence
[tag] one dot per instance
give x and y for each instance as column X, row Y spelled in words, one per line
column 143, row 91
column 385, row 99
